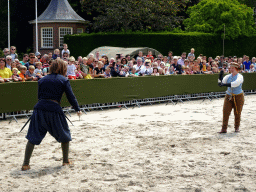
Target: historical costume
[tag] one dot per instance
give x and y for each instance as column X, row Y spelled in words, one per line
column 234, row 98
column 48, row 115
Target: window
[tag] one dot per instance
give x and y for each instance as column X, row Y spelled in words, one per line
column 64, row 31
column 80, row 30
column 47, row 37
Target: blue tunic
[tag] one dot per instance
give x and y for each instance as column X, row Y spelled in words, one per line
column 236, row 83
column 48, row 115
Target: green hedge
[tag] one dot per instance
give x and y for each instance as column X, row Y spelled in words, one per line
column 207, row 44
column 23, row 96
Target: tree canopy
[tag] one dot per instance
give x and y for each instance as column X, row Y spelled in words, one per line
column 134, row 15
column 210, row 16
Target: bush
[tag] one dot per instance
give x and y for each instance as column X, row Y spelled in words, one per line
column 204, row 43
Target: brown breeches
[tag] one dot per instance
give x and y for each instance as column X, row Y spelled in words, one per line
column 230, row 102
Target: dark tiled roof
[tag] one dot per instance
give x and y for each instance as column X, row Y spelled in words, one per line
column 59, row 11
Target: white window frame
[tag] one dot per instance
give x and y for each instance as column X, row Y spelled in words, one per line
column 42, row 42
column 82, row 30
column 64, row 35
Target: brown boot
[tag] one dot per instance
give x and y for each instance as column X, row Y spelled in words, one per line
column 25, row 167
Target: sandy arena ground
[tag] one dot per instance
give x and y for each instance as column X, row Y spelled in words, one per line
column 152, row 148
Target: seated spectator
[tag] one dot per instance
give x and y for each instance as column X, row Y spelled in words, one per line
column 17, row 61
column 32, row 60
column 30, row 74
column 139, row 65
column 146, row 70
column 5, row 73
column 186, row 63
column 99, row 70
column 46, row 70
column 50, row 56
column 215, row 70
column 155, row 72
column 161, row 71
column 177, row 67
column 208, row 70
column 128, row 57
column 9, row 62
column 203, row 66
column 15, row 76
column 65, row 56
column 78, row 71
column 252, row 69
column 254, row 62
column 170, row 57
column 124, row 61
column 182, row 59
column 1, row 80
column 71, row 68
column 186, row 70
column 38, row 70
column 166, row 70
column 56, row 54
column 133, row 73
column 106, row 62
column 23, row 70
column 107, row 73
column 87, row 68
column 130, row 65
column 13, row 65
column 45, row 61
column 13, row 53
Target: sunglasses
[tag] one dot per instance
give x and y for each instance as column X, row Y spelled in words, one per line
column 32, row 57
column 13, row 49
column 8, row 59
column 77, row 64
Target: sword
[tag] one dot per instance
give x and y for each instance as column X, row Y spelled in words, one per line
column 69, row 119
column 26, row 123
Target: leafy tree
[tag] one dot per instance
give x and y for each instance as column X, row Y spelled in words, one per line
column 134, row 15
column 210, row 16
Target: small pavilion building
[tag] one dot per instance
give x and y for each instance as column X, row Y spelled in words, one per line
column 58, row 20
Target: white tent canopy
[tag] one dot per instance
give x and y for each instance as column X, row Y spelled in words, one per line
column 134, row 51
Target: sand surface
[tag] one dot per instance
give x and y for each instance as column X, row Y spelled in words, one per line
column 152, row 148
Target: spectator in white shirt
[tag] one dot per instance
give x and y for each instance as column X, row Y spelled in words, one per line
column 182, row 59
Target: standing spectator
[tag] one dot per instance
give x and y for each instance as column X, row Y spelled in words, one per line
column 25, row 59
column 97, row 55
column 65, row 50
column 32, row 60
column 80, row 59
column 246, row 64
column 38, row 55
column 71, row 68
column 30, row 74
column 5, row 72
column 50, row 55
column 140, row 56
column 56, row 54
column 177, row 67
column 182, row 59
column 13, row 53
column 9, row 62
column 150, row 56
column 170, row 57
column 6, row 52
column 191, row 55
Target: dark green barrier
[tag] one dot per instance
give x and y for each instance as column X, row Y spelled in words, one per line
column 23, row 96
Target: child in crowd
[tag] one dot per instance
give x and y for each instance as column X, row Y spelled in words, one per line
column 251, row 68
column 78, row 71
column 38, row 70
column 30, row 74
column 155, row 72
column 15, row 76
column 99, row 70
column 65, row 50
column 133, row 73
column 107, row 73
column 23, row 70
column 71, row 68
column 13, row 53
column 191, row 55
column 56, row 54
column 13, row 65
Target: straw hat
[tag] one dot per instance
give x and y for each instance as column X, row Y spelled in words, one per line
column 236, row 65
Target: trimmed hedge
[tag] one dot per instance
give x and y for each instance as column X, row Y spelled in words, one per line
column 207, row 44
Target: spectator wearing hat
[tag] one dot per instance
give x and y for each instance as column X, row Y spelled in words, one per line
column 234, row 97
column 32, row 60
column 177, row 67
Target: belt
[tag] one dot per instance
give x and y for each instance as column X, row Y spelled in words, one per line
column 234, row 96
column 55, row 101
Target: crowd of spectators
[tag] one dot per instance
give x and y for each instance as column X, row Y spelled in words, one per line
column 34, row 66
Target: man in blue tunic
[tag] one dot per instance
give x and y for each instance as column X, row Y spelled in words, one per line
column 234, row 97
column 48, row 115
